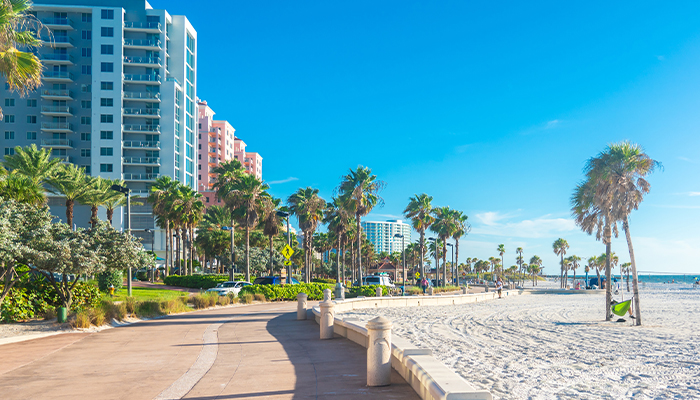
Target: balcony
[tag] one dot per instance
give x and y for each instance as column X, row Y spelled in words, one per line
column 141, row 177
column 141, row 145
column 142, row 112
column 58, row 111
column 144, row 44
column 58, row 41
column 150, row 27
column 150, row 161
column 58, row 76
column 64, row 159
column 53, row 94
column 57, row 143
column 61, row 59
column 141, row 129
column 142, row 96
column 144, row 79
column 153, row 62
column 58, row 127
column 58, row 23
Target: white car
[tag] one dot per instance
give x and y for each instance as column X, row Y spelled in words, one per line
column 224, row 288
column 378, row 280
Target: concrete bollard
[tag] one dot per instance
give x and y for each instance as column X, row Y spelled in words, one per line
column 326, row 295
column 430, row 291
column 326, row 323
column 379, row 291
column 486, row 288
column 379, row 352
column 339, row 291
column 464, row 290
column 301, row 306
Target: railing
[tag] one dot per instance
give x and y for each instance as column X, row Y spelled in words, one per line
column 58, row 40
column 142, row 95
column 137, row 77
column 141, row 160
column 64, row 159
column 57, row 93
column 139, row 144
column 141, row 177
column 142, row 128
column 57, row 142
column 55, row 57
column 142, row 60
column 55, row 109
column 56, row 126
column 142, row 111
column 143, row 25
column 57, row 21
column 142, row 42
column 58, row 75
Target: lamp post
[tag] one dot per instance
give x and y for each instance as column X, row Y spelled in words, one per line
column 437, row 262
column 403, row 262
column 125, row 191
column 285, row 215
column 453, row 268
column 153, row 239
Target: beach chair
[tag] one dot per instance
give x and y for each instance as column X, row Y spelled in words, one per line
column 621, row 308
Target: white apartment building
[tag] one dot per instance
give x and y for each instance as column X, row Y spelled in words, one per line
column 382, row 235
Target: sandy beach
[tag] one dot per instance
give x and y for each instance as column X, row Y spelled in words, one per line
column 548, row 346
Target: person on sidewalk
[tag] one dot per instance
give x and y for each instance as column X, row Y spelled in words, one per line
column 499, row 287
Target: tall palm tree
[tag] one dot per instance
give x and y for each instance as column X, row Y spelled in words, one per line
column 273, row 223
column 36, row 164
column 575, row 263
column 462, row 227
column 228, row 174
column 535, row 265
column 359, row 194
column 114, row 199
column 501, row 251
column 338, row 220
column 559, row 247
column 161, row 197
column 444, row 226
column 70, row 182
column 21, row 69
column 519, row 259
column 308, row 206
column 98, row 196
column 625, row 269
column 419, row 211
column 21, row 189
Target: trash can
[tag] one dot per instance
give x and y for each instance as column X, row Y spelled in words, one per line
column 61, row 314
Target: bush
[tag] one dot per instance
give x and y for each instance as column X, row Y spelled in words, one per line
column 259, row 297
column 149, row 308
column 142, row 276
column 223, row 300
column 287, row 292
column 195, row 281
column 50, row 313
column 106, row 279
column 246, row 298
column 200, row 301
column 121, row 311
column 130, row 303
column 323, row 280
column 82, row 319
column 367, row 291
column 97, row 316
column 173, row 306
column 414, row 290
column 233, row 298
column 446, row 289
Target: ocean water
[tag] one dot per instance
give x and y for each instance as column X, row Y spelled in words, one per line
column 651, row 278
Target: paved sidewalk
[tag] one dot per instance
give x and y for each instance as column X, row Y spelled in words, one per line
column 256, row 352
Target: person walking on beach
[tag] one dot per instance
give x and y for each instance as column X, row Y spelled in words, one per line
column 499, row 287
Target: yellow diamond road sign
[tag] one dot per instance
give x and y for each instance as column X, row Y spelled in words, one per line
column 417, row 275
column 287, row 252
column 287, row 262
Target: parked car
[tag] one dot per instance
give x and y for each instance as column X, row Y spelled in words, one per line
column 378, row 280
column 273, row 280
column 224, row 288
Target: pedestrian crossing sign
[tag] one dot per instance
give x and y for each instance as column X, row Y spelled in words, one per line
column 417, row 275
column 287, row 252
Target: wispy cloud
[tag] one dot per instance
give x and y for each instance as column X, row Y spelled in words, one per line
column 660, row 58
column 463, row 148
column 552, row 124
column 545, row 126
column 387, row 216
column 290, row 179
column 694, row 194
column 499, row 224
column 686, row 159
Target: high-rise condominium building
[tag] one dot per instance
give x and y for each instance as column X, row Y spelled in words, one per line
column 218, row 143
column 382, row 235
column 118, row 97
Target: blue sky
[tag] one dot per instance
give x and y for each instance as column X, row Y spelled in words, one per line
column 490, row 107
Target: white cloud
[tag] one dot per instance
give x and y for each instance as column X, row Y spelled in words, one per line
column 686, row 159
column 545, row 226
column 552, row 124
column 290, row 179
column 694, row 194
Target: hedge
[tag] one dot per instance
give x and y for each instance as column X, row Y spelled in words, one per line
column 287, row 292
column 198, row 281
column 32, row 298
column 367, row 290
column 323, row 280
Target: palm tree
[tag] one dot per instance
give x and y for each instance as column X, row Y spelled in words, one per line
column 21, row 189
column 211, row 238
column 308, row 206
column 625, row 269
column 462, row 227
column 115, row 199
column 36, row 164
column 575, row 263
column 501, row 251
column 337, row 219
column 560, row 246
column 161, row 197
column 444, row 226
column 273, row 222
column 535, row 267
column 519, row 259
column 98, row 196
column 228, row 173
column 71, row 182
column 21, row 69
column 359, row 194
column 419, row 210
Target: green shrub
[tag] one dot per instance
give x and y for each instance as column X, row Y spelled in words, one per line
column 82, row 319
column 323, row 280
column 414, row 290
column 142, row 276
column 259, row 297
column 223, row 300
column 121, row 311
column 367, row 291
column 173, row 306
column 246, row 298
column 50, row 313
column 130, row 303
column 195, row 281
column 149, row 308
column 200, row 301
column 97, row 316
column 233, row 298
column 287, row 292
column 106, row 279
column 212, row 297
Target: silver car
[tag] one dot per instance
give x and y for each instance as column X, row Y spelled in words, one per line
column 224, row 288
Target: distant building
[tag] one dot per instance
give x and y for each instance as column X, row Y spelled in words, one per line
column 381, row 235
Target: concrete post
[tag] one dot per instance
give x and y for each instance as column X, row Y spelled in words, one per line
column 486, row 288
column 326, row 295
column 379, row 291
column 379, row 352
column 339, row 291
column 464, row 290
column 430, row 291
column 301, row 306
column 327, row 315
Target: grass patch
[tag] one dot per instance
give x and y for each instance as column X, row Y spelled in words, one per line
column 260, row 297
column 145, row 294
column 246, row 298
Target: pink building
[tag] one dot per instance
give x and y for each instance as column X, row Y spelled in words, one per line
column 218, row 143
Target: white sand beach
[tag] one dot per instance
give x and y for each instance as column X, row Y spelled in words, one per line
column 549, row 346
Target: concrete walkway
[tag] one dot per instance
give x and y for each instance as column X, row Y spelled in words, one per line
column 246, row 352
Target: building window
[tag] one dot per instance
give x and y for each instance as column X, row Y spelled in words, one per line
column 86, row 35
column 107, row 49
column 107, row 31
column 86, row 69
column 9, row 102
column 85, row 136
column 86, row 52
column 107, row 67
column 87, row 169
column 9, row 119
column 106, row 151
column 31, row 119
column 207, row 199
column 105, row 167
column 9, row 151
column 85, row 104
column 85, row 88
column 9, row 135
column 31, row 102
column 84, row 152
column 85, row 121
column 108, row 135
column 31, row 135
column 106, row 118
column 107, row 14
column 87, row 17
column 106, row 102
column 107, row 86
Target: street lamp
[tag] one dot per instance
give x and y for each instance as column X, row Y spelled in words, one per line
column 403, row 253
column 437, row 262
column 153, row 239
column 285, row 215
column 454, row 269
column 125, row 191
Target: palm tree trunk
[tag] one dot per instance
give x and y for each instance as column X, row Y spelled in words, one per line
column 110, row 215
column 343, row 263
column 635, row 281
column 167, row 233
column 93, row 215
column 359, row 250
column 352, row 259
column 422, row 254
column 69, row 212
column 561, row 272
column 457, row 259
column 444, row 263
column 271, row 272
column 608, row 256
column 338, row 258
column 233, row 252
column 247, row 252
column 192, row 252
